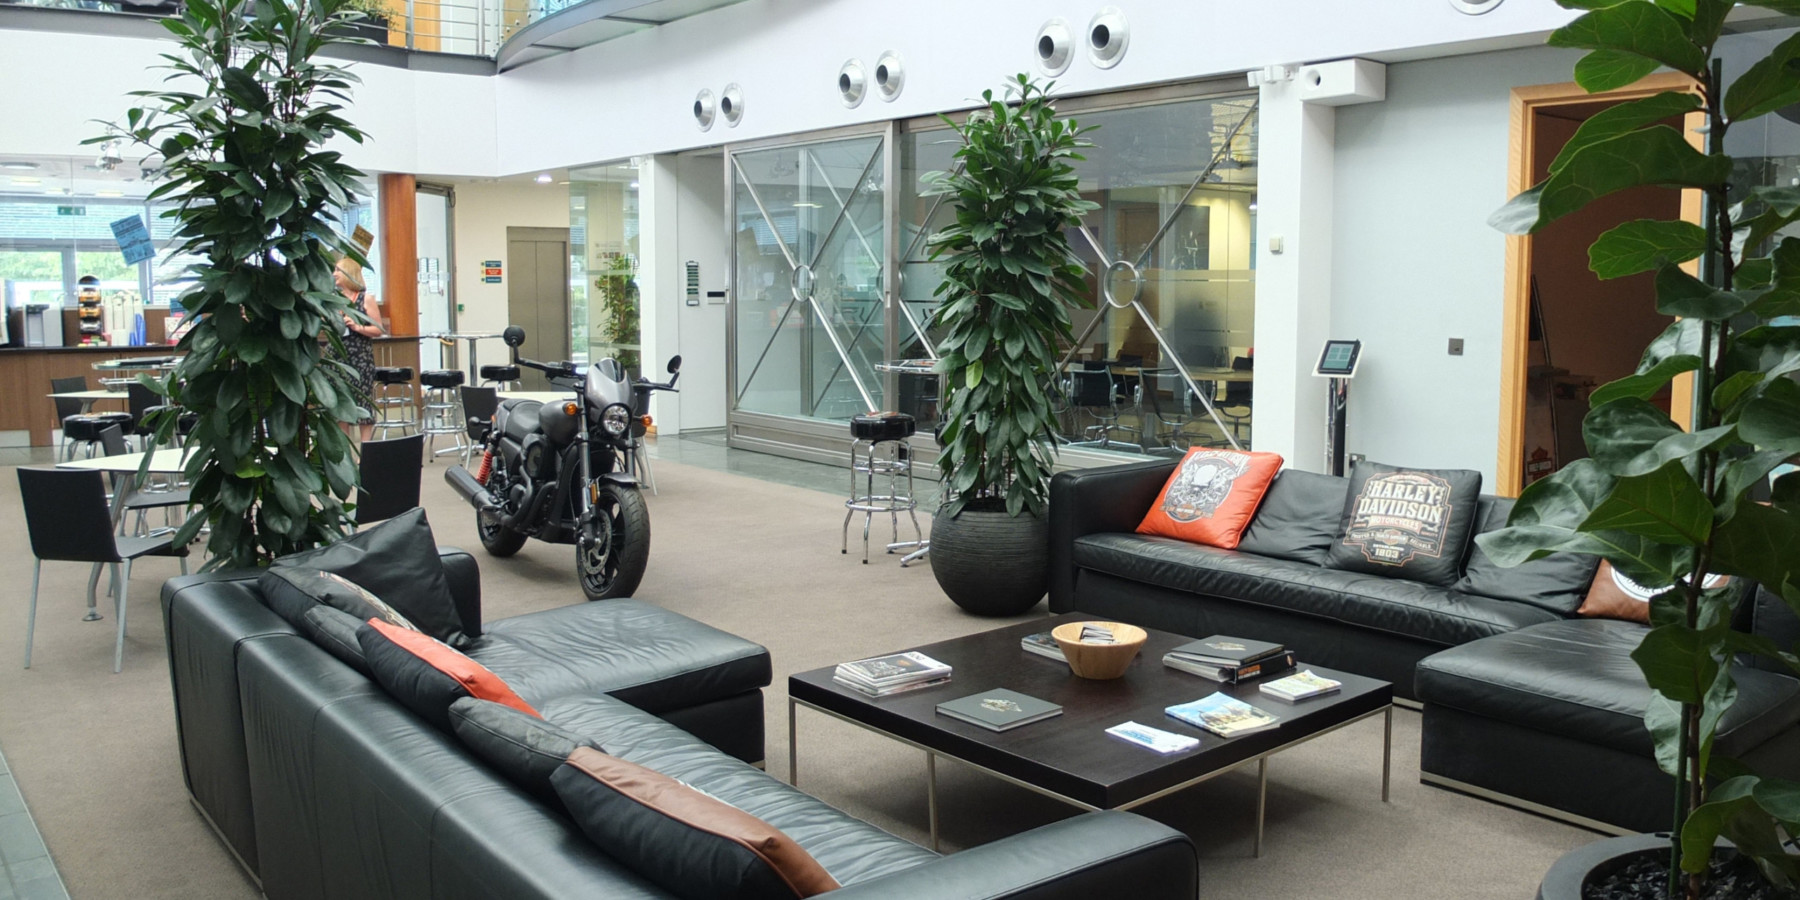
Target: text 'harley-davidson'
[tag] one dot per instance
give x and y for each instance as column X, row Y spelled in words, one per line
column 560, row 472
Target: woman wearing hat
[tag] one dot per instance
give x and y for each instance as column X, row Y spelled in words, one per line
column 359, row 343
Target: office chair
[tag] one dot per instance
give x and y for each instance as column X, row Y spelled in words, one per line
column 391, row 471
column 1172, row 403
column 68, row 521
column 1235, row 405
column 112, row 442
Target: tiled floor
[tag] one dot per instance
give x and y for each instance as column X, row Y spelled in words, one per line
column 26, row 872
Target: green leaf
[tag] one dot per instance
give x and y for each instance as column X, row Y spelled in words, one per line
column 1662, row 718
column 1606, row 70
column 1622, row 118
column 1643, row 245
column 1646, row 385
column 1772, row 421
column 1758, row 543
column 973, row 376
column 1622, row 433
column 1665, row 505
column 1676, row 663
column 1548, row 514
column 1726, row 801
column 1768, row 85
column 1640, row 28
column 1683, row 295
column 1658, row 155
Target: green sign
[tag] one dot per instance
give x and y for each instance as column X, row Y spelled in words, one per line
column 71, row 210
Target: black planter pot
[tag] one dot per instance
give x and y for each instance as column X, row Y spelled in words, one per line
column 990, row 563
column 1595, row 861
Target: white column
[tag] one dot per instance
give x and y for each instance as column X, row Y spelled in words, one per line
column 661, row 281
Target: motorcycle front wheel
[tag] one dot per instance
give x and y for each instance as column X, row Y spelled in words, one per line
column 497, row 539
column 614, row 546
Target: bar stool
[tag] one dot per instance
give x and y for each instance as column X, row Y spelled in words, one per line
column 84, row 430
column 443, row 410
column 394, row 406
column 880, row 446
column 505, row 378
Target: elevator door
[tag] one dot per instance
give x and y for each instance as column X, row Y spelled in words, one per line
column 537, row 299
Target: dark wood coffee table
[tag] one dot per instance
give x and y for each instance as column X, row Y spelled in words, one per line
column 1070, row 757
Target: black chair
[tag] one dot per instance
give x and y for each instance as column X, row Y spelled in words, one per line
column 1172, row 403
column 112, row 441
column 142, row 401
column 67, row 411
column 1094, row 390
column 1235, row 405
column 479, row 404
column 67, row 518
column 390, row 478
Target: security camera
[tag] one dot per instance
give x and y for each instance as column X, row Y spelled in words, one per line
column 110, row 157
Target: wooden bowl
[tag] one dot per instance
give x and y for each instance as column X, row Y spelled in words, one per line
column 1099, row 661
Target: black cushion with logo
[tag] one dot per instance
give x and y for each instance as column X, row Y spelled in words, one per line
column 1406, row 523
column 335, row 630
column 524, row 748
column 294, row 591
column 398, row 562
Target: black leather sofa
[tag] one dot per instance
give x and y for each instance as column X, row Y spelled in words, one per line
column 325, row 787
column 1523, row 702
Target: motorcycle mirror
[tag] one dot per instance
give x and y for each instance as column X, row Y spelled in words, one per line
column 514, row 336
column 674, row 364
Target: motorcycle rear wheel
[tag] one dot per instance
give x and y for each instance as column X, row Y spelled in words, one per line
column 612, row 564
column 497, row 539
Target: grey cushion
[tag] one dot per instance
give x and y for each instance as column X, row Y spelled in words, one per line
column 1406, row 523
column 520, row 746
column 335, row 630
column 398, row 562
column 1557, row 582
column 1298, row 518
column 293, row 591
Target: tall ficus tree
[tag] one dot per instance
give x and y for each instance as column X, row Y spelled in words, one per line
column 240, row 129
column 1670, row 507
column 1010, row 280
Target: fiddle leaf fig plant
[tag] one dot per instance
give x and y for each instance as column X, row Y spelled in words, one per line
column 241, row 130
column 1009, row 280
column 1672, row 508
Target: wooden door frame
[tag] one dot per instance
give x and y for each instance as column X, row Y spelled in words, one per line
column 1516, row 318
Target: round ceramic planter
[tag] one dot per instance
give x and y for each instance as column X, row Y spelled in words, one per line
column 990, row 563
column 1568, row 875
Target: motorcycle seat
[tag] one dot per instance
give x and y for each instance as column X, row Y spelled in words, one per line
column 521, row 418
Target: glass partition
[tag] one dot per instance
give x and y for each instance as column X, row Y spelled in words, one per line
column 603, row 250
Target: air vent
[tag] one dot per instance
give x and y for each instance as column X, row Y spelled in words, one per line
column 852, row 83
column 1054, row 48
column 890, row 77
column 731, row 104
column 705, row 109
column 1107, row 37
column 1474, row 7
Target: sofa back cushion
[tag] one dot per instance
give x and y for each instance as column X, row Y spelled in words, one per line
column 524, row 748
column 1767, row 615
column 692, row 844
column 1557, row 582
column 1298, row 518
column 1211, row 496
column 398, row 562
column 427, row 675
column 1407, row 523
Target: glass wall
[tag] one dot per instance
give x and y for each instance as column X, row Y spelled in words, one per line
column 603, row 264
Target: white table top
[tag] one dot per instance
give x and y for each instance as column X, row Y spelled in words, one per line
column 164, row 462
column 539, row 396
column 92, row 395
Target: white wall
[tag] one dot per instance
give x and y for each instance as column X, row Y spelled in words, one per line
column 1414, row 261
column 700, row 235
column 483, row 212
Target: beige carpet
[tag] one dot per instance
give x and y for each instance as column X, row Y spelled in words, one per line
column 96, row 759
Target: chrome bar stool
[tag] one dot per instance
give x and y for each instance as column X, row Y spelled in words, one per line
column 395, row 409
column 880, row 446
column 443, row 411
column 505, row 378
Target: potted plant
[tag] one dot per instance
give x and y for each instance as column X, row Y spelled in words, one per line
column 368, row 19
column 618, row 291
column 241, row 131
column 1009, row 278
column 1666, row 506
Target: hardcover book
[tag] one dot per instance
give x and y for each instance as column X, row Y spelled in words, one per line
column 999, row 709
column 1043, row 645
column 1223, row 716
column 1220, row 650
column 1299, row 686
column 1232, row 674
column 896, row 668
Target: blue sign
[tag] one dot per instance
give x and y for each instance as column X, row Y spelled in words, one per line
column 134, row 239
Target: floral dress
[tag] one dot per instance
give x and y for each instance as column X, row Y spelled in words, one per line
column 360, row 350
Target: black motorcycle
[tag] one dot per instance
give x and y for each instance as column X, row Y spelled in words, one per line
column 560, row 472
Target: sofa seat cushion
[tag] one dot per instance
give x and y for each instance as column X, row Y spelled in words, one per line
column 645, row 655
column 850, row 849
column 1410, row 608
column 1576, row 678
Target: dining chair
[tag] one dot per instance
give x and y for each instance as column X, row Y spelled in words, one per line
column 1236, row 402
column 391, row 471
column 479, row 404
column 68, row 521
column 112, row 442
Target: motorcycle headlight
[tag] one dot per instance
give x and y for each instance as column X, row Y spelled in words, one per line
column 615, row 419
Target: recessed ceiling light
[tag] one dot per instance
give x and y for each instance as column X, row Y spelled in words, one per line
column 25, row 182
column 634, row 185
column 109, row 193
column 544, row 178
column 19, row 166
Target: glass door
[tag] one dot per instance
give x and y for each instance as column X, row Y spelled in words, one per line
column 810, row 319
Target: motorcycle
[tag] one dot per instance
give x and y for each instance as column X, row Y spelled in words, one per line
column 561, row 472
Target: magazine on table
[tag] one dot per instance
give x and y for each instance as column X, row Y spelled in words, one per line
column 1232, row 674
column 1299, row 686
column 1224, row 716
column 891, row 690
column 1043, row 645
column 895, row 668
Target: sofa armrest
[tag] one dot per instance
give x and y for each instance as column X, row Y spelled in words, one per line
column 1087, row 856
column 1089, row 501
column 464, row 578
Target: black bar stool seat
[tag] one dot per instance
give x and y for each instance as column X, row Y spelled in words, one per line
column 394, row 374
column 887, row 426
column 441, row 378
column 499, row 373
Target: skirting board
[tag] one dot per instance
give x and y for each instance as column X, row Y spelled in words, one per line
column 1526, row 805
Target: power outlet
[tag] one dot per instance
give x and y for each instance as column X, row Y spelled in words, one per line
column 1456, row 346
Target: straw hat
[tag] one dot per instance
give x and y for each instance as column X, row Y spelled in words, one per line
column 352, row 272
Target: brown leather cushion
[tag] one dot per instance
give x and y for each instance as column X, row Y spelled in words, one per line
column 1613, row 596
column 690, row 843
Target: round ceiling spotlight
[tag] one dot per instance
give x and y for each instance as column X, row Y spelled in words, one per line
column 852, row 83
column 1054, row 47
column 705, row 109
column 1474, row 7
column 890, row 76
column 731, row 104
column 1107, row 37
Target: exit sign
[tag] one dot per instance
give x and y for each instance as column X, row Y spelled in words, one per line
column 71, row 210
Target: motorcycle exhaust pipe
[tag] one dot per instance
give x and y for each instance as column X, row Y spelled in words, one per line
column 470, row 489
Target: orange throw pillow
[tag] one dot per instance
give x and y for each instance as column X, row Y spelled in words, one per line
column 474, row 679
column 1613, row 596
column 1211, row 496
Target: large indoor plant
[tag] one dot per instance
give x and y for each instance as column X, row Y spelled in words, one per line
column 1670, row 507
column 1010, row 277
column 240, row 129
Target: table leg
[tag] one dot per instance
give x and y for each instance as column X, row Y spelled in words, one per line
column 1387, row 752
column 472, row 367
column 931, row 805
column 793, row 753
column 1262, row 801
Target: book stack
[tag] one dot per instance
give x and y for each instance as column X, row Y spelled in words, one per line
column 1299, row 686
column 882, row 676
column 1228, row 659
column 1043, row 645
column 1224, row 716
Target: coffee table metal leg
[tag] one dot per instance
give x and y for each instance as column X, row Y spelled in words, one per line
column 931, row 809
column 1262, row 800
column 1387, row 752
column 793, row 753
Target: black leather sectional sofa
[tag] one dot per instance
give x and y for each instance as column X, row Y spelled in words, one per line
column 325, row 787
column 1523, row 701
